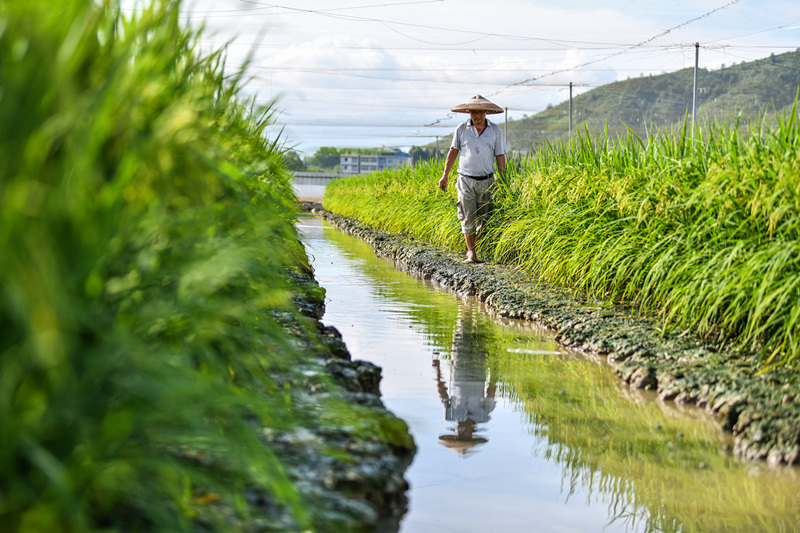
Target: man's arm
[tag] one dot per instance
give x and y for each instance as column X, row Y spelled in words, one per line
column 501, row 165
column 448, row 166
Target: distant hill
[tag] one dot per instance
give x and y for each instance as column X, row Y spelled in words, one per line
column 665, row 100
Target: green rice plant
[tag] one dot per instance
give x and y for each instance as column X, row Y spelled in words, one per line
column 702, row 232
column 148, row 252
column 402, row 200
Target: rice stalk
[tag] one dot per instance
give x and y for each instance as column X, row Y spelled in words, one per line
column 702, row 234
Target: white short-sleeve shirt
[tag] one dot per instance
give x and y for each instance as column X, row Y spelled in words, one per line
column 477, row 153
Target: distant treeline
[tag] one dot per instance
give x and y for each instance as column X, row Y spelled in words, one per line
column 327, row 158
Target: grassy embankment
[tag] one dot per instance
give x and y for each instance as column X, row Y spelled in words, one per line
column 706, row 236
column 146, row 280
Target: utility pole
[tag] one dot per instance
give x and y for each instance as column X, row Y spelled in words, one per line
column 694, row 95
column 570, row 115
column 506, row 132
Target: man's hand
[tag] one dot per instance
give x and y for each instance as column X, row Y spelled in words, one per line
column 448, row 165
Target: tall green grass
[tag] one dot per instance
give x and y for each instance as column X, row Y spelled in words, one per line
column 704, row 234
column 147, row 231
column 403, row 200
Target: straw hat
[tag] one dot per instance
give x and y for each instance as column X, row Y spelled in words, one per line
column 478, row 103
column 464, row 439
column 460, row 445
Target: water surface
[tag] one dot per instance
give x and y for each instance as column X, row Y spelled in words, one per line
column 516, row 434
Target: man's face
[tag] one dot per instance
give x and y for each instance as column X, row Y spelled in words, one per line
column 478, row 117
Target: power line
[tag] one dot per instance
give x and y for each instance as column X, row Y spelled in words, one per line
column 349, row 8
column 247, row 12
column 597, row 47
column 563, row 42
column 637, row 45
column 782, row 26
column 644, row 48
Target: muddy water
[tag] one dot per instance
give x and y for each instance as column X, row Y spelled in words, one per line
column 515, row 434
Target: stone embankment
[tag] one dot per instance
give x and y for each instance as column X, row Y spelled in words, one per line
column 346, row 479
column 761, row 410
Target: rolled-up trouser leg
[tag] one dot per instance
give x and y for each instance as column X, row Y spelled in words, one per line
column 474, row 203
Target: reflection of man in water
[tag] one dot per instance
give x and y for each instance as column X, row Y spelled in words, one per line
column 470, row 399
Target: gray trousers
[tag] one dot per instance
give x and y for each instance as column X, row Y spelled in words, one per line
column 474, row 203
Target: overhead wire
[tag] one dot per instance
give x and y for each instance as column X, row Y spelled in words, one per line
column 637, row 45
column 246, row 12
column 782, row 26
column 642, row 48
column 327, row 13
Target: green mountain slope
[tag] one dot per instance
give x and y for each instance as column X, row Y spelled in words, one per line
column 664, row 101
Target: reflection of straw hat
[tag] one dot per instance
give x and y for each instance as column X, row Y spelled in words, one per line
column 459, row 443
column 478, row 103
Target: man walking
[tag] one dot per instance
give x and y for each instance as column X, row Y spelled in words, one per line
column 478, row 144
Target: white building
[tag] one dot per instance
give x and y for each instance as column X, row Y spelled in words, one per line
column 366, row 163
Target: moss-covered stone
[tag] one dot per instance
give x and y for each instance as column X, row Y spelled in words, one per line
column 348, row 470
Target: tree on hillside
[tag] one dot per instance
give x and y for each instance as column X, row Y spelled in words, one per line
column 292, row 161
column 419, row 154
column 326, row 158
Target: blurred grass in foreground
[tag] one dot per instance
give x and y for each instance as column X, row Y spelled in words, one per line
column 706, row 236
column 147, row 233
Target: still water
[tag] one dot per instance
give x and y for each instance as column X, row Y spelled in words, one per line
column 516, row 434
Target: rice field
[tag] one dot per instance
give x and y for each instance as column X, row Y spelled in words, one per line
column 146, row 280
column 704, row 234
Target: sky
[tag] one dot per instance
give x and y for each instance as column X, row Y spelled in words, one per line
column 385, row 73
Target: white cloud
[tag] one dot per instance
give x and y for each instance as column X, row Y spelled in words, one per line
column 359, row 76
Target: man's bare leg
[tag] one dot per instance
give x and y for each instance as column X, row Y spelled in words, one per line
column 471, row 255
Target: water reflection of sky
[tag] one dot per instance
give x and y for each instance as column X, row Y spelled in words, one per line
column 501, row 485
column 309, row 193
column 429, row 344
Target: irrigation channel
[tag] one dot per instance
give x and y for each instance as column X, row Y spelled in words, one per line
column 516, row 434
